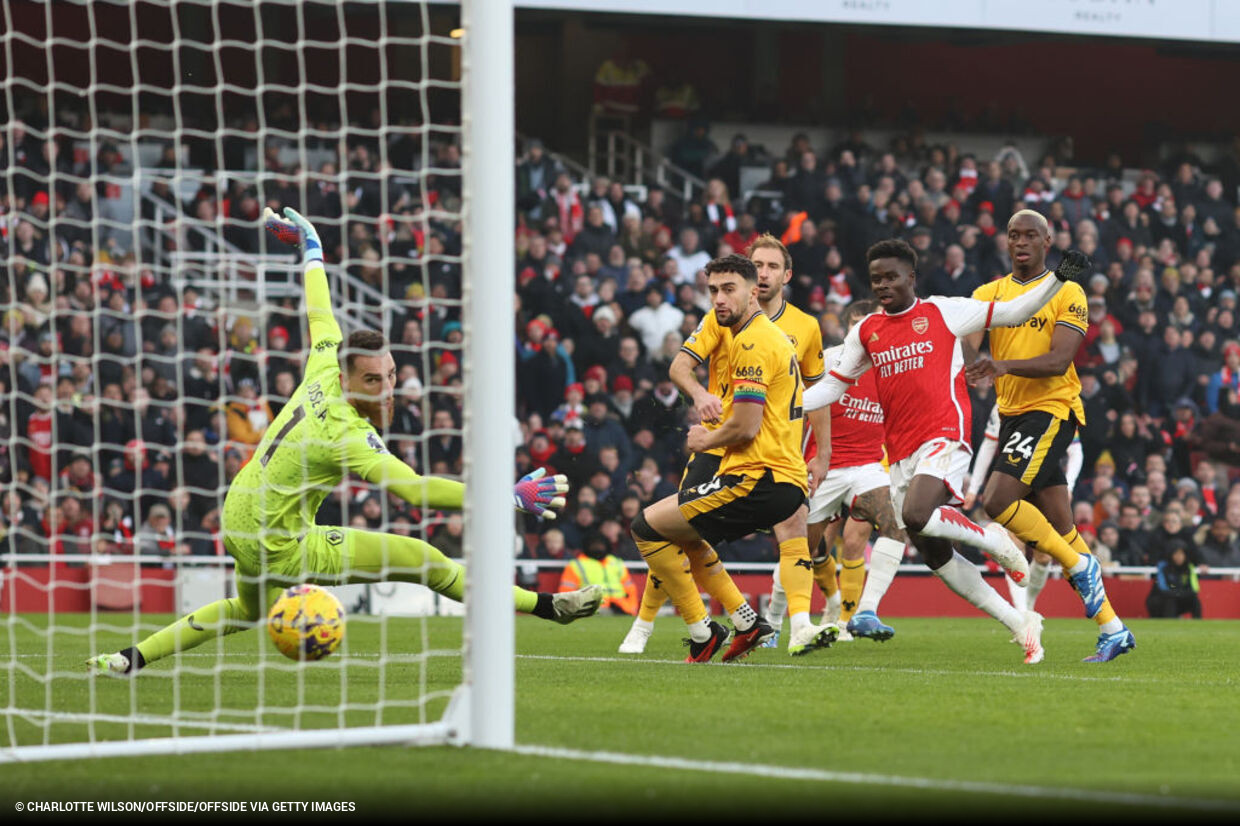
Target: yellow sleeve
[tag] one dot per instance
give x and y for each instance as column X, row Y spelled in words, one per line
column 988, row 291
column 1073, row 308
column 813, row 367
column 367, row 457
column 702, row 342
column 323, row 326
column 752, row 372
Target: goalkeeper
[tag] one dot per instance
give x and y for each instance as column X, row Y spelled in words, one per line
column 331, row 426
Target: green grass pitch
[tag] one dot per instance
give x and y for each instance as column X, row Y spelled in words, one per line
column 944, row 719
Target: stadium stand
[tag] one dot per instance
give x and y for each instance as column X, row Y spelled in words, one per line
column 609, row 283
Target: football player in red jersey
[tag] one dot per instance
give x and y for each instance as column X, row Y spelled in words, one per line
column 914, row 348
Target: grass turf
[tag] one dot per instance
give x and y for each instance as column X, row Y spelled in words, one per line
column 945, row 702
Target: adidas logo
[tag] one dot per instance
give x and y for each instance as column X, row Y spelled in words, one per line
column 874, row 338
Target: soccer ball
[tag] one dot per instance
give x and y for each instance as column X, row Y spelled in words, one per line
column 306, row 623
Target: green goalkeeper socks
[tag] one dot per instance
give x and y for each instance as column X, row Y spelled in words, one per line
column 225, row 616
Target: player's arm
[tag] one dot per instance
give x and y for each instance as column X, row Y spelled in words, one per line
column 681, row 372
column 368, row 457
column 296, row 230
column 972, row 316
column 701, row 344
column 1065, row 342
column 853, row 361
column 742, row 426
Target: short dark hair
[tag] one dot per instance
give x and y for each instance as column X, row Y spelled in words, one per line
column 860, row 309
column 734, row 263
column 363, row 343
column 892, row 248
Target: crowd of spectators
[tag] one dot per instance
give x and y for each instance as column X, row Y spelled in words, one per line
column 131, row 404
column 610, row 282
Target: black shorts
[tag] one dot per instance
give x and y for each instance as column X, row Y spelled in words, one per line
column 700, row 469
column 731, row 506
column 1033, row 447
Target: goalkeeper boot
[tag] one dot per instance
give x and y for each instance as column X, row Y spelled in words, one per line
column 812, row 637
column 867, row 624
column 574, row 605
column 745, row 641
column 115, row 665
column 1029, row 637
column 701, row 652
column 1010, row 557
column 635, row 640
column 1111, row 646
column 1088, row 584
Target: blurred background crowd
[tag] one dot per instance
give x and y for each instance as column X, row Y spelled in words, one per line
column 133, row 399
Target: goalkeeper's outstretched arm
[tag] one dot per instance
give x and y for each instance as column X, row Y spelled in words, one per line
column 536, row 493
column 295, row 229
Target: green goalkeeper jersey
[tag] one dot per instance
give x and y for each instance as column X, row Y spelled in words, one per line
column 318, row 438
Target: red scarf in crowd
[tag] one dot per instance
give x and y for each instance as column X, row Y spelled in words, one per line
column 721, row 216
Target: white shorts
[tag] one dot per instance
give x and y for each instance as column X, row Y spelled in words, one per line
column 941, row 458
column 842, row 486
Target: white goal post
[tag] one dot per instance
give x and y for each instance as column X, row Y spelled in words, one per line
column 479, row 710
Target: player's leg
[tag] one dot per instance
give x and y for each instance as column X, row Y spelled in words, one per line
column 1114, row 638
column 885, row 558
column 1022, row 594
column 699, row 470
column 916, row 500
column 941, row 458
column 852, row 564
column 211, row 621
column 796, row 574
column 346, row 555
column 822, row 552
column 1039, row 573
column 659, row 531
column 1031, row 447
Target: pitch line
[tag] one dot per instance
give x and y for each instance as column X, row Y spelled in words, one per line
column 931, row 672
column 899, row 781
column 139, row 720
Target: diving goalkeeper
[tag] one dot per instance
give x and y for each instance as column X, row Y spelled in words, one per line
column 329, row 427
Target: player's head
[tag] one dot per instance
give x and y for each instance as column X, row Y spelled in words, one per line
column 369, row 376
column 774, row 265
column 733, row 284
column 1029, row 237
column 893, row 273
column 858, row 310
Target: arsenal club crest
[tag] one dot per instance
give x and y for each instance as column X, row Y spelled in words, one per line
column 920, row 325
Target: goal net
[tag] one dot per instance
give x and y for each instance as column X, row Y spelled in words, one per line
column 153, row 331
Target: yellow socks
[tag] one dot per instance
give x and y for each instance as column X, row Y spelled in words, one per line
column 652, row 600
column 669, row 572
column 796, row 574
column 708, row 574
column 1028, row 523
column 1106, row 613
column 852, row 581
column 824, row 576
column 711, row 577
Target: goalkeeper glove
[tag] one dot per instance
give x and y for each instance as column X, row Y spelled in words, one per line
column 540, row 494
column 296, row 230
column 1075, row 267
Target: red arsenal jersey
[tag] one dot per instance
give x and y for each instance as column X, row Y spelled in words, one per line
column 856, row 422
column 918, row 368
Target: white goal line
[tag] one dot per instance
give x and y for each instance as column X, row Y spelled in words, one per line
column 899, row 781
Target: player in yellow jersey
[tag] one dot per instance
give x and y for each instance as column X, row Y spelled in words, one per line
column 709, row 345
column 762, row 477
column 1039, row 411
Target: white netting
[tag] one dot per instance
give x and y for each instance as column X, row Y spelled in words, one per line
column 152, row 330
